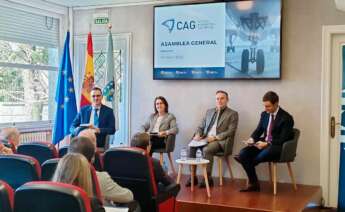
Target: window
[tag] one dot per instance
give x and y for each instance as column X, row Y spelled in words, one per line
column 121, row 66
column 26, row 82
column 28, row 65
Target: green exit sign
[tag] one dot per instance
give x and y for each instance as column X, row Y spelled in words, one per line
column 101, row 20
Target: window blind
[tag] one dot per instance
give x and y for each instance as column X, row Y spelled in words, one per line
column 25, row 27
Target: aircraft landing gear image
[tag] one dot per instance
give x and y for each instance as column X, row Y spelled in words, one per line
column 257, row 57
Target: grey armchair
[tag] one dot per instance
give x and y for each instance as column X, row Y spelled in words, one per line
column 288, row 155
column 169, row 148
column 225, row 154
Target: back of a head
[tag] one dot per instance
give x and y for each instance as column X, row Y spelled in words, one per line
column 90, row 134
column 84, row 146
column 11, row 134
column 74, row 169
column 141, row 140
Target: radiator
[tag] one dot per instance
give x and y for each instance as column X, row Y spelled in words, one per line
column 28, row 137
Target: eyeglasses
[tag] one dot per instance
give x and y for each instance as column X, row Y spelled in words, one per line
column 96, row 96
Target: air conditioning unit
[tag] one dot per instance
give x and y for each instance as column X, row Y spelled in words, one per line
column 340, row 4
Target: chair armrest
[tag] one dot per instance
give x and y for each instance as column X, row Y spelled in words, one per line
column 170, row 191
column 288, row 151
column 170, row 143
column 228, row 146
column 107, row 143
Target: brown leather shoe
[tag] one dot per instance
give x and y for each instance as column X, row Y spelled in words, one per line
column 189, row 182
column 252, row 188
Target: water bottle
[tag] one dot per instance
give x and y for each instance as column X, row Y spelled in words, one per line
column 165, row 167
column 184, row 153
column 198, row 155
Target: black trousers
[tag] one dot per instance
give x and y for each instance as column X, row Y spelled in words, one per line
column 251, row 156
column 157, row 143
column 208, row 152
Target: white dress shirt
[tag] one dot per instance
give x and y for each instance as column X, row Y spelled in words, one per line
column 157, row 124
column 213, row 130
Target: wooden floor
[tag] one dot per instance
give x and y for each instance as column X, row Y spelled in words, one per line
column 228, row 198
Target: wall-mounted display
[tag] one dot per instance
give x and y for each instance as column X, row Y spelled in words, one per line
column 222, row 40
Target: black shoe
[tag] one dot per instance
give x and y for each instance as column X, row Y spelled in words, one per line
column 238, row 159
column 202, row 184
column 252, row 188
column 189, row 182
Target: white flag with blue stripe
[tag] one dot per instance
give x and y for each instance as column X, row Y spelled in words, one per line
column 110, row 92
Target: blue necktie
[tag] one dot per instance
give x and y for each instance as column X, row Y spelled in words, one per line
column 95, row 117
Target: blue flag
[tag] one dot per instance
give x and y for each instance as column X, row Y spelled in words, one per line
column 66, row 107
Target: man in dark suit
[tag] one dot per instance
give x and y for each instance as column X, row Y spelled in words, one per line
column 218, row 128
column 97, row 116
column 276, row 126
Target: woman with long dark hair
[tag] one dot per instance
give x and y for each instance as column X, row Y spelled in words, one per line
column 160, row 124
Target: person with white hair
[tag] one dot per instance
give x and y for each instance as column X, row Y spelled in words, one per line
column 10, row 139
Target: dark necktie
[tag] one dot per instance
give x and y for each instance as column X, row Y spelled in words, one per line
column 269, row 135
column 213, row 119
column 95, row 117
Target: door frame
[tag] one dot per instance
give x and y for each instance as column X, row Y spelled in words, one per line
column 328, row 33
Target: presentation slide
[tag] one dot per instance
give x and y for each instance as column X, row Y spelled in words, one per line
column 223, row 40
column 189, row 41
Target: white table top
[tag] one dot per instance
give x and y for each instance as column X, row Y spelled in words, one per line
column 192, row 161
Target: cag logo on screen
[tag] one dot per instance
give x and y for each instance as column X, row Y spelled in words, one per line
column 171, row 24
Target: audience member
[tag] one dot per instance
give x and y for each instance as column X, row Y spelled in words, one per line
column 74, row 169
column 5, row 150
column 142, row 140
column 10, row 137
column 85, row 144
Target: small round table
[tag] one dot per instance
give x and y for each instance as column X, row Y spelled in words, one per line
column 193, row 163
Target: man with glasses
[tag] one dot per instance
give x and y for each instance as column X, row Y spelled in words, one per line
column 97, row 116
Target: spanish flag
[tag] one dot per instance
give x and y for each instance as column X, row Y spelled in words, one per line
column 89, row 76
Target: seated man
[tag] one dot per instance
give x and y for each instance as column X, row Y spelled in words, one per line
column 142, row 140
column 276, row 125
column 97, row 116
column 110, row 190
column 10, row 137
column 218, row 127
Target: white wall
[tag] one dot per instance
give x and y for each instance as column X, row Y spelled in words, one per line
column 299, row 88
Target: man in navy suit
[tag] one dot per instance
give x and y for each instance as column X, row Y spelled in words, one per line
column 276, row 126
column 97, row 116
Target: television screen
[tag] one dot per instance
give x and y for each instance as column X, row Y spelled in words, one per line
column 223, row 40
